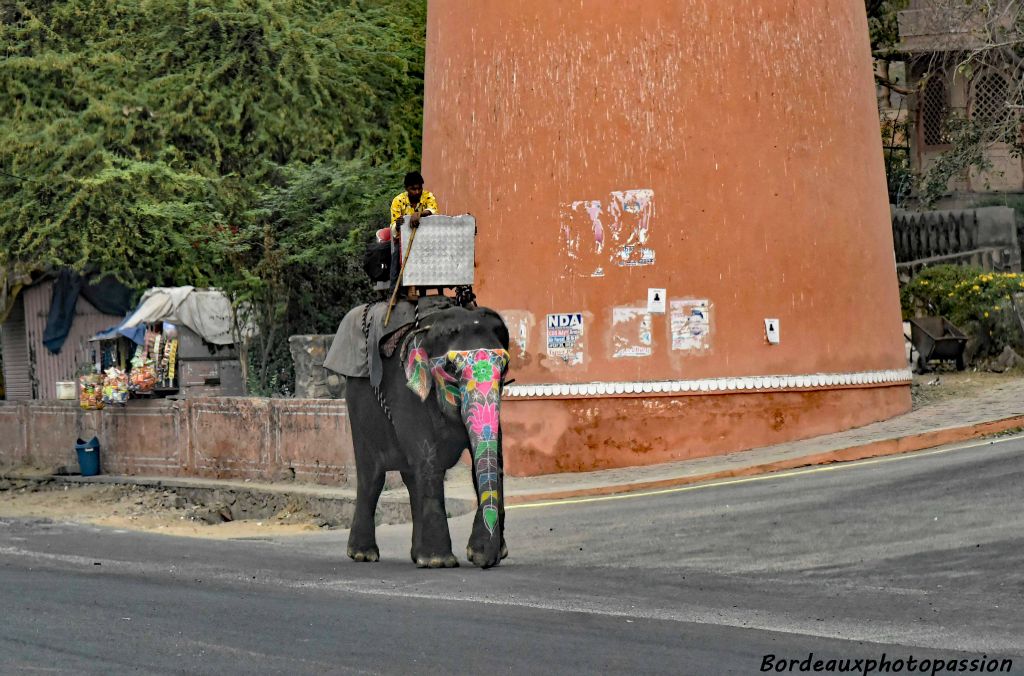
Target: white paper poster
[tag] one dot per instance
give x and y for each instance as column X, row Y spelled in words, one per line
column 691, row 325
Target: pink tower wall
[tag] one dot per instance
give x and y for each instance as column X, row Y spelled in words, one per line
column 726, row 152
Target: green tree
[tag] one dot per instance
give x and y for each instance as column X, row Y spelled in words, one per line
column 882, row 23
column 247, row 144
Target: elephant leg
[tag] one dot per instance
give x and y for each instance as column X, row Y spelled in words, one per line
column 362, row 539
column 372, row 439
column 432, row 543
column 414, row 505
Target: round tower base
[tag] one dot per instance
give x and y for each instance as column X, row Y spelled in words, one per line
column 548, row 436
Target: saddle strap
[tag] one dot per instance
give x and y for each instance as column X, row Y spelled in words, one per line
column 377, row 391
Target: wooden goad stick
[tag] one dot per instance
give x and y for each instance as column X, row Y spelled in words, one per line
column 401, row 274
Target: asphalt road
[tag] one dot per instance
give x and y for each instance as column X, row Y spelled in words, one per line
column 917, row 555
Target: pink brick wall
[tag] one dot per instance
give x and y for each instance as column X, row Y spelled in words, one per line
column 237, row 438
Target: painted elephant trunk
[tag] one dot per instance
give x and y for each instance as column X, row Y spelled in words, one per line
column 483, row 421
column 472, row 380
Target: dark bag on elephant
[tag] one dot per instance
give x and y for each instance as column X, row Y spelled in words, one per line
column 377, row 261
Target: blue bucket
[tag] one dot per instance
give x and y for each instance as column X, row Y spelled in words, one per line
column 88, row 456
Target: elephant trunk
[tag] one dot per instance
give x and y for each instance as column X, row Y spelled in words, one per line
column 471, row 381
column 482, row 419
column 481, row 413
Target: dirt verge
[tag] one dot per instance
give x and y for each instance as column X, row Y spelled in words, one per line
column 947, row 383
column 204, row 511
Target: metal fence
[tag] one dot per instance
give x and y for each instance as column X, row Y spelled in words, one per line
column 986, row 237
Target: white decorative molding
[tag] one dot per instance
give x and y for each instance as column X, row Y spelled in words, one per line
column 813, row 381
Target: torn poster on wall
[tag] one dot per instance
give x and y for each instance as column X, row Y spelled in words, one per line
column 582, row 233
column 629, row 224
column 565, row 337
column 520, row 325
column 616, row 232
column 690, row 324
column 631, row 332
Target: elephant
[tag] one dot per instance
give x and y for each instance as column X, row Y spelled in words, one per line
column 461, row 355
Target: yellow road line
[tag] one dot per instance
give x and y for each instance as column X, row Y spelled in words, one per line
column 763, row 477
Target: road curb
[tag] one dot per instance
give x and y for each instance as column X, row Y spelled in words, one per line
column 874, row 449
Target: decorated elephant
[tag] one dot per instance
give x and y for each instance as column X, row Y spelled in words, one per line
column 426, row 387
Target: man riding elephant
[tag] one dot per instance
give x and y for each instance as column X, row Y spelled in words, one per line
column 416, row 203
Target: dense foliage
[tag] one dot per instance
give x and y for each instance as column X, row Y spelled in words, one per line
column 246, row 144
column 882, row 22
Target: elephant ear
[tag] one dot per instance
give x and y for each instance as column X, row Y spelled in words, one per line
column 448, row 393
column 417, row 372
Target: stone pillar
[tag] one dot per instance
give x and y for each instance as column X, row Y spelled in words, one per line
column 312, row 380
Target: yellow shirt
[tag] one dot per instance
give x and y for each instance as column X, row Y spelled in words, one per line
column 401, row 207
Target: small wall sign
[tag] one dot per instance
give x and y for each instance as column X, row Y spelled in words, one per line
column 656, row 301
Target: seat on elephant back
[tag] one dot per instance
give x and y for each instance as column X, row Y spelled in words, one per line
column 364, row 326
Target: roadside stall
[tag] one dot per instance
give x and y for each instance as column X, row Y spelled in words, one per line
column 179, row 341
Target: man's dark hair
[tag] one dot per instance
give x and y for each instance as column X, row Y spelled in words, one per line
column 413, row 178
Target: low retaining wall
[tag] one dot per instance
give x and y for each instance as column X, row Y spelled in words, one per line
column 218, row 438
column 310, row 439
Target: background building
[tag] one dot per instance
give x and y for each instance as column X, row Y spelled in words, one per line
column 960, row 69
column 653, row 182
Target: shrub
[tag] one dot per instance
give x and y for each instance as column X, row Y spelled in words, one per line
column 977, row 301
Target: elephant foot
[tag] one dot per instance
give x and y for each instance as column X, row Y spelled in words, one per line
column 364, row 555
column 482, row 559
column 436, row 561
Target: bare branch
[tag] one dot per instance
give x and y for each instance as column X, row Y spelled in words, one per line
column 892, row 86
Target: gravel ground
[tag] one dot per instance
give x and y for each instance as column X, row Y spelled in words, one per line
column 139, row 508
column 947, row 383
